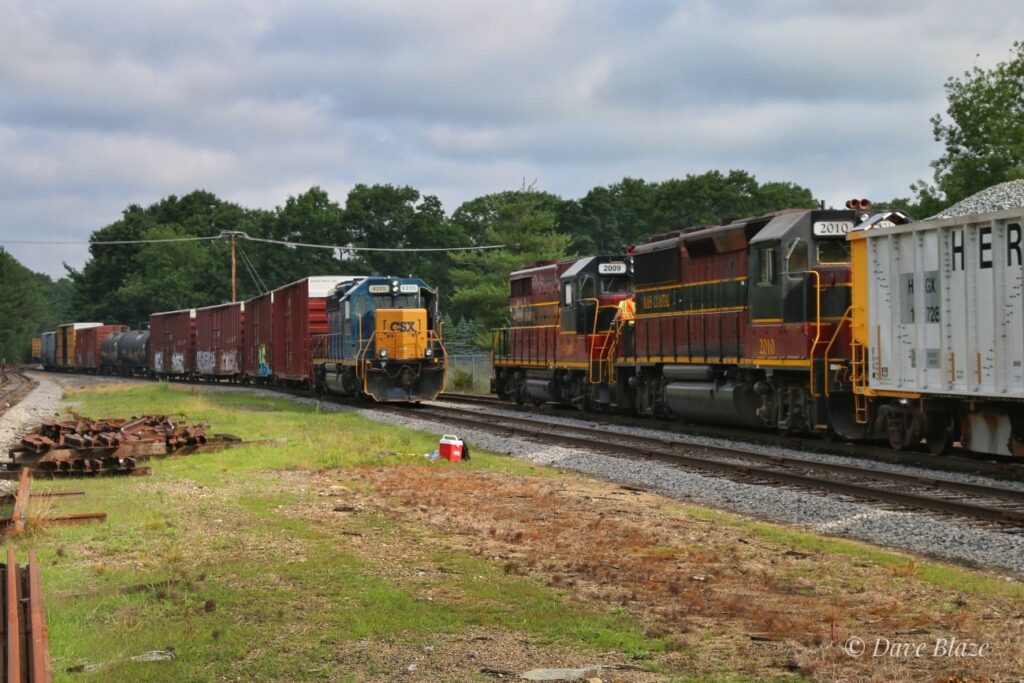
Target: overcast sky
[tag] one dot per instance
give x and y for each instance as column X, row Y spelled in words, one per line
column 105, row 104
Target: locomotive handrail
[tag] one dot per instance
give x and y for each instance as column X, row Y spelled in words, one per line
column 848, row 315
column 817, row 325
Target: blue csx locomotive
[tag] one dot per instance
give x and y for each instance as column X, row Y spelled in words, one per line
column 382, row 340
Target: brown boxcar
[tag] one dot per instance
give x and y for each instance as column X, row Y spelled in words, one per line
column 37, row 348
column 219, row 340
column 88, row 343
column 300, row 310
column 172, row 342
column 258, row 337
column 65, row 343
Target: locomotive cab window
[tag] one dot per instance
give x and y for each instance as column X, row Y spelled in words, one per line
column 766, row 267
column 614, row 284
column 588, row 288
column 567, row 294
column 833, row 251
column 796, row 258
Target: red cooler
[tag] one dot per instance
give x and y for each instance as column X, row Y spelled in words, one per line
column 450, row 448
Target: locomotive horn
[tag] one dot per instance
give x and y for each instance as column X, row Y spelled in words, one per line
column 851, row 204
column 865, row 204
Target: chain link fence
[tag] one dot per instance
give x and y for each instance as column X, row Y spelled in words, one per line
column 469, row 373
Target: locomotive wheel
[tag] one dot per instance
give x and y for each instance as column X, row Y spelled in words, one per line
column 939, row 433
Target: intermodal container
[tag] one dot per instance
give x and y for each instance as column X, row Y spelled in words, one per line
column 89, row 345
column 64, row 353
column 300, row 311
column 258, row 337
column 219, row 340
column 172, row 342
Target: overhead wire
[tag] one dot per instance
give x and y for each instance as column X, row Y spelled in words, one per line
column 250, row 267
column 245, row 236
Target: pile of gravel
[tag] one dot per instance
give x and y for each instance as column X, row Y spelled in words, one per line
column 1008, row 195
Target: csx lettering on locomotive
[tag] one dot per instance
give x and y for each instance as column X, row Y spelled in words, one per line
column 403, row 326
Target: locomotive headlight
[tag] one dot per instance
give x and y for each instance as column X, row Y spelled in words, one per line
column 394, row 287
column 383, row 353
column 430, row 352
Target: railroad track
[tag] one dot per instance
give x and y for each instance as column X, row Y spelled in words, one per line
column 26, row 648
column 1003, row 506
column 14, row 386
column 1008, row 468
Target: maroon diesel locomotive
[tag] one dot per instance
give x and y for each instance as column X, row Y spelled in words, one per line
column 739, row 323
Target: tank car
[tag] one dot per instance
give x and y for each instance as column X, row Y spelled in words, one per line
column 560, row 332
column 382, row 340
column 125, row 353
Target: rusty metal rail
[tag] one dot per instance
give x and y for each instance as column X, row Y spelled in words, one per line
column 15, row 523
column 26, row 647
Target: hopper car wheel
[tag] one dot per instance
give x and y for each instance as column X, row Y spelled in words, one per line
column 939, row 433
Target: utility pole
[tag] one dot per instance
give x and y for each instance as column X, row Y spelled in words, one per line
column 234, row 283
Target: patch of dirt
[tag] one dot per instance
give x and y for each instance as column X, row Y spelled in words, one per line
column 724, row 598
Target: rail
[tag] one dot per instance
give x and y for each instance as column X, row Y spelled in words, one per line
column 26, row 652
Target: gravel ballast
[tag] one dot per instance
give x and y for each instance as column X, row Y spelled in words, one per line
column 1008, row 195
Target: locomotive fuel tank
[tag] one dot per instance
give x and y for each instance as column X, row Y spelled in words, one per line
column 692, row 393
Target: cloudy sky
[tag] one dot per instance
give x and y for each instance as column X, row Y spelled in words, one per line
column 104, row 104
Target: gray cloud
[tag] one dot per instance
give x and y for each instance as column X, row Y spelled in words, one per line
column 110, row 103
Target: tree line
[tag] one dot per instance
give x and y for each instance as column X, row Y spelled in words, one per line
column 982, row 133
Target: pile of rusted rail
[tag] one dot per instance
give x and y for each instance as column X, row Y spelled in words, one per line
column 26, row 646
column 114, row 446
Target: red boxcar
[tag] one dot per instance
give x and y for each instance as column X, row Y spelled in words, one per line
column 258, row 337
column 172, row 342
column 88, row 343
column 300, row 310
column 219, row 340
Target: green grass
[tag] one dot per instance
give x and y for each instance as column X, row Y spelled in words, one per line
column 262, row 594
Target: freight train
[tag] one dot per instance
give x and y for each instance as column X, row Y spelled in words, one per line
column 362, row 336
column 840, row 322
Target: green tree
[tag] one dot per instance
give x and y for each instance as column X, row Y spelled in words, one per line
column 400, row 217
column 22, row 308
column 523, row 221
column 984, row 136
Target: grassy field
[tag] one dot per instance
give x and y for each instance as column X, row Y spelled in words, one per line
column 200, row 557
column 346, row 555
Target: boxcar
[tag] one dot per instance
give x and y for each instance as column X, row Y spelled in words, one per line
column 172, row 343
column 258, row 338
column 299, row 311
column 67, row 336
column 219, row 337
column 89, row 345
column 48, row 350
